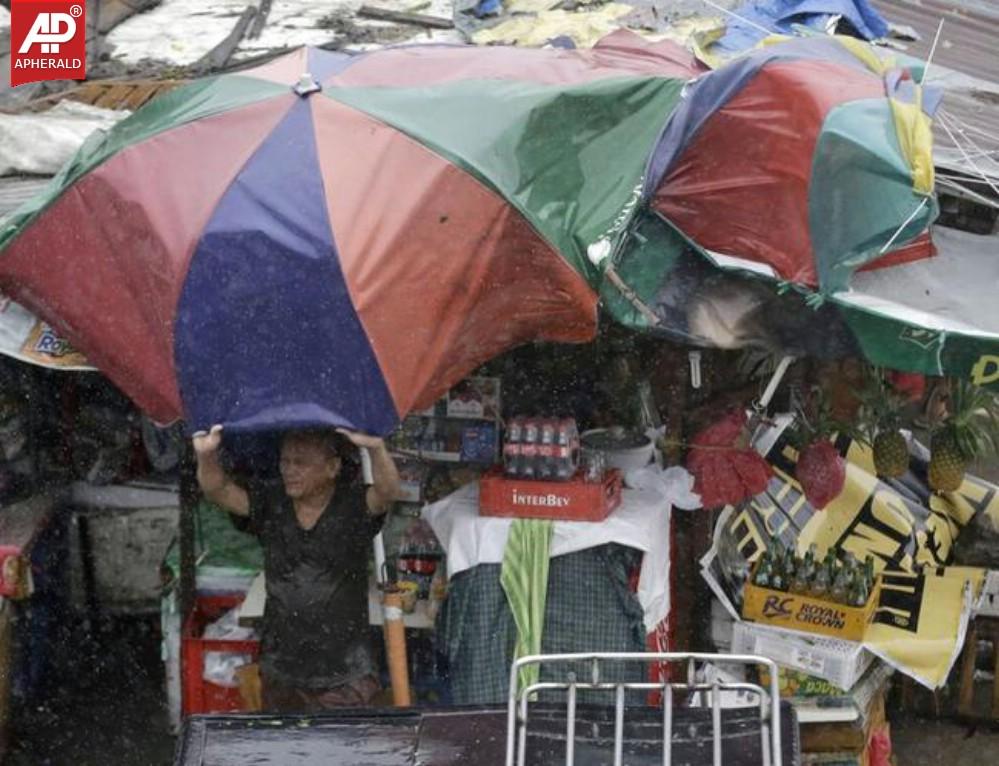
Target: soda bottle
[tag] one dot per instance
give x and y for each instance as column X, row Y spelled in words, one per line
column 778, row 581
column 810, row 556
column 820, row 586
column 831, row 565
column 800, row 584
column 773, row 553
column 546, row 449
column 790, row 564
column 860, row 594
column 841, row 585
column 529, row 449
column 763, row 575
column 566, row 449
column 511, row 449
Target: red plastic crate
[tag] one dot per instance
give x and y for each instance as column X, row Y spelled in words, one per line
column 574, row 500
column 199, row 695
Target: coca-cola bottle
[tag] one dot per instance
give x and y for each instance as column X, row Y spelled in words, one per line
column 529, row 449
column 566, row 449
column 546, row 450
column 511, row 448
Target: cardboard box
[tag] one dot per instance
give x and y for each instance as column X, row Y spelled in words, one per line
column 475, row 398
column 840, row 662
column 811, row 615
column 798, row 683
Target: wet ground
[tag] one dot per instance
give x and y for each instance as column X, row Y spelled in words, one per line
column 102, row 701
column 935, row 743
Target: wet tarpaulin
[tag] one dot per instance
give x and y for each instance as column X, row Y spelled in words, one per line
column 755, row 19
column 473, row 736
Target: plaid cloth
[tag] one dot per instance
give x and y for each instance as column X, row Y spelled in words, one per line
column 590, row 607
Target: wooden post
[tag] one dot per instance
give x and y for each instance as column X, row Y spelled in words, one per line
column 395, row 648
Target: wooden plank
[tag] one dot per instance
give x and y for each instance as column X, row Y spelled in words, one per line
column 113, row 97
column 140, row 95
column 401, row 17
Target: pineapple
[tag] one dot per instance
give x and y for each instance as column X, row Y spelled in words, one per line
column 880, row 418
column 947, row 462
column 969, row 431
column 891, row 454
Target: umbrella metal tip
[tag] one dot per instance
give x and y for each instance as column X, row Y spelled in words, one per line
column 306, row 84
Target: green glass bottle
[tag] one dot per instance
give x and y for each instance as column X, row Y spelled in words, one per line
column 840, row 590
column 810, row 556
column 821, row 584
column 800, row 585
column 790, row 568
column 860, row 594
column 763, row 575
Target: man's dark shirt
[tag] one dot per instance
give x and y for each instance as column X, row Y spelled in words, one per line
column 315, row 626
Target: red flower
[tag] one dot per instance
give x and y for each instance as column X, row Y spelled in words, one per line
column 910, row 383
column 724, row 472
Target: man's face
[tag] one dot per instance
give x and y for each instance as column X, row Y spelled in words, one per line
column 307, row 468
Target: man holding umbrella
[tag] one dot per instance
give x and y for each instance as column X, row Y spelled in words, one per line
column 316, row 531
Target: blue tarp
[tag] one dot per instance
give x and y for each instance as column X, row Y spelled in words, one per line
column 779, row 16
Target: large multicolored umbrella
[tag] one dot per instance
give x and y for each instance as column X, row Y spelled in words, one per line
column 787, row 205
column 268, row 248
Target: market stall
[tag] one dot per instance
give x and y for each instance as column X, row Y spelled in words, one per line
column 297, row 286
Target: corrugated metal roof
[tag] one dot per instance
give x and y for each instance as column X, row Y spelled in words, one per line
column 969, row 45
column 969, row 41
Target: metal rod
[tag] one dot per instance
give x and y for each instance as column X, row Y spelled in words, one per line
column 775, row 380
column 511, row 716
column 667, row 724
column 905, row 223
column 716, row 723
column 775, row 745
column 764, row 733
column 737, row 16
column 522, row 741
column 933, row 49
column 619, row 727
column 967, row 158
column 570, row 728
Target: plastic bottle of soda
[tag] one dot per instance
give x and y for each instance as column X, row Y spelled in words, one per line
column 546, row 449
column 511, row 448
column 566, row 449
column 529, row 449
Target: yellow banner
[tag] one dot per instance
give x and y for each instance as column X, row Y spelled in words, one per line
column 924, row 607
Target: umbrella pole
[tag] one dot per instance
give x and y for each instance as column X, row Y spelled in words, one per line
column 189, row 495
column 775, row 380
column 395, row 648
